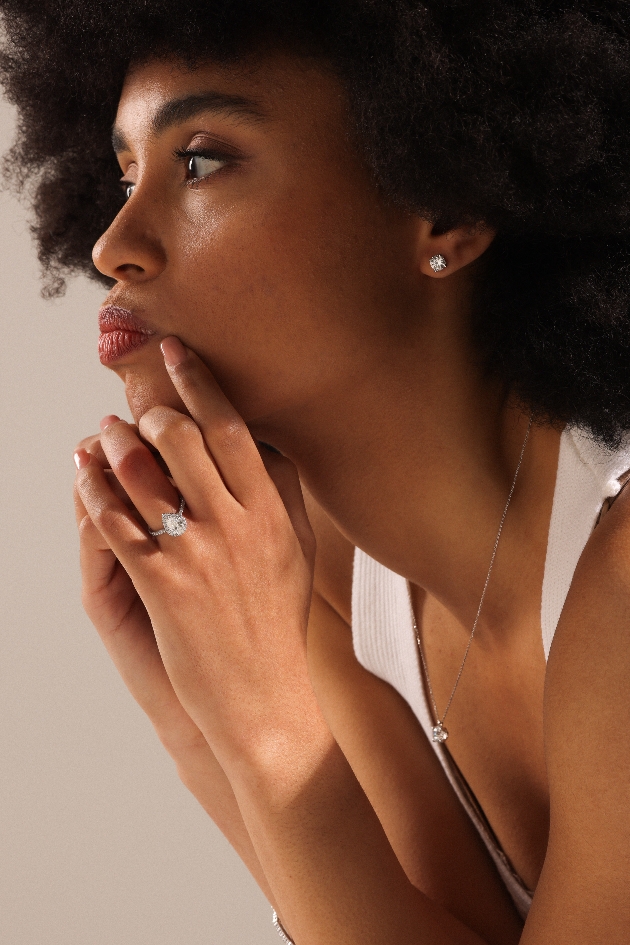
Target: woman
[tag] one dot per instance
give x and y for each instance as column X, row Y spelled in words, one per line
column 378, row 252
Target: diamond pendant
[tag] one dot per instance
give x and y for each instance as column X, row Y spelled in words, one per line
column 440, row 734
column 174, row 523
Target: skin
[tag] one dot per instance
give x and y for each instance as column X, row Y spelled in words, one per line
column 312, row 321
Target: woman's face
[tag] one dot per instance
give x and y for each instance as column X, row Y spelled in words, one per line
column 254, row 232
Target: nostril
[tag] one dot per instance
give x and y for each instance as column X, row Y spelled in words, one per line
column 130, row 268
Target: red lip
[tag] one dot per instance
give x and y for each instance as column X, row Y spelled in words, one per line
column 121, row 332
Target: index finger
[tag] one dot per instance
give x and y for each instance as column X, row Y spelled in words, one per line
column 224, row 431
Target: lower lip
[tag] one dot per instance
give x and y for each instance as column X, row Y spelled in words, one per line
column 114, row 345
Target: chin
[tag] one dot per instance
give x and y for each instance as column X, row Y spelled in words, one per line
column 147, row 386
column 143, row 394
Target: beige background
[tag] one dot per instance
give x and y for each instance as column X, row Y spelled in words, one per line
column 100, row 843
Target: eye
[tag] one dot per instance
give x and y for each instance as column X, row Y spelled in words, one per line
column 201, row 164
column 128, row 189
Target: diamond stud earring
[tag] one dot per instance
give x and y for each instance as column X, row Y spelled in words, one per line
column 437, row 263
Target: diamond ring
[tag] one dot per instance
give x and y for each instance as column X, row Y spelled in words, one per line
column 173, row 523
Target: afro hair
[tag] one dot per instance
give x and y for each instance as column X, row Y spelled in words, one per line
column 510, row 113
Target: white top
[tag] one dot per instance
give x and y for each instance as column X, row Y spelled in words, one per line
column 382, row 618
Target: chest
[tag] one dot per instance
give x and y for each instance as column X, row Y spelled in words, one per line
column 496, row 716
column 495, row 726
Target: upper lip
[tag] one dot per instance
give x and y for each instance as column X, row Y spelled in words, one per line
column 114, row 318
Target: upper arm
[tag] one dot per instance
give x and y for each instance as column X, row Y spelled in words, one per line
column 583, row 895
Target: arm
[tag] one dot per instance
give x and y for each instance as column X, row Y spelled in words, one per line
column 419, row 817
column 228, row 611
column 228, row 605
column 125, row 628
column 112, row 604
column 327, row 856
column 582, row 897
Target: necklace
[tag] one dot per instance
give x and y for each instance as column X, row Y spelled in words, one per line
column 439, row 732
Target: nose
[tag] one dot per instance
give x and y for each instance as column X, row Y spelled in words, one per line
column 129, row 251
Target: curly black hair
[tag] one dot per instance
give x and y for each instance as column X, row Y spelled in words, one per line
column 513, row 113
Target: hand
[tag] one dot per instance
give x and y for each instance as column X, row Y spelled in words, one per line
column 227, row 601
column 118, row 613
column 121, row 619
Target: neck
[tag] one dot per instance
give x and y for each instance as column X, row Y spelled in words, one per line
column 413, row 456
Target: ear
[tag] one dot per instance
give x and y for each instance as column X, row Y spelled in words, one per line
column 450, row 250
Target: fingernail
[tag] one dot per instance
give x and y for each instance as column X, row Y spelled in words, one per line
column 81, row 459
column 108, row 420
column 173, row 351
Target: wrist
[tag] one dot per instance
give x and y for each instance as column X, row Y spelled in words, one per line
column 275, row 758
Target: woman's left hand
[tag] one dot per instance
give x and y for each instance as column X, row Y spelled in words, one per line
column 228, row 599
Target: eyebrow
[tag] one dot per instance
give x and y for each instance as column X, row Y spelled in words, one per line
column 178, row 110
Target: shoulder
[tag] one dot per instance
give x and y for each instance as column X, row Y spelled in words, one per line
column 587, row 739
column 589, row 664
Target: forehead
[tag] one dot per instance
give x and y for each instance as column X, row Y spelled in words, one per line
column 270, row 89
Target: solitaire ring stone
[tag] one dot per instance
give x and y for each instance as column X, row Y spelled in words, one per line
column 173, row 523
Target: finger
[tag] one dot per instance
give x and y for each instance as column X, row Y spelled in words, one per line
column 119, row 491
column 87, row 528
column 108, row 420
column 224, row 431
column 85, row 523
column 284, row 476
column 137, row 471
column 98, row 561
column 109, row 514
column 93, row 445
column 180, row 441
column 111, row 602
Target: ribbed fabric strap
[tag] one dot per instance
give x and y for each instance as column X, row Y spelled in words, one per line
column 587, row 476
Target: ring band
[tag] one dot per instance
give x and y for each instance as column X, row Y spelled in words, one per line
column 173, row 523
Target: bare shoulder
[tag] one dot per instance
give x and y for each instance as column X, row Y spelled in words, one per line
column 593, row 633
column 333, row 561
column 589, row 665
column 582, row 895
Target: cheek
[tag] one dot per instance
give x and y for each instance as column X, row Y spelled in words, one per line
column 147, row 384
column 275, row 299
column 243, row 286
column 259, row 272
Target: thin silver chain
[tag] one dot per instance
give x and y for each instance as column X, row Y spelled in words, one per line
column 440, row 721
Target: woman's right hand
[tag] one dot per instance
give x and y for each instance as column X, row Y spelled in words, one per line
column 123, row 624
